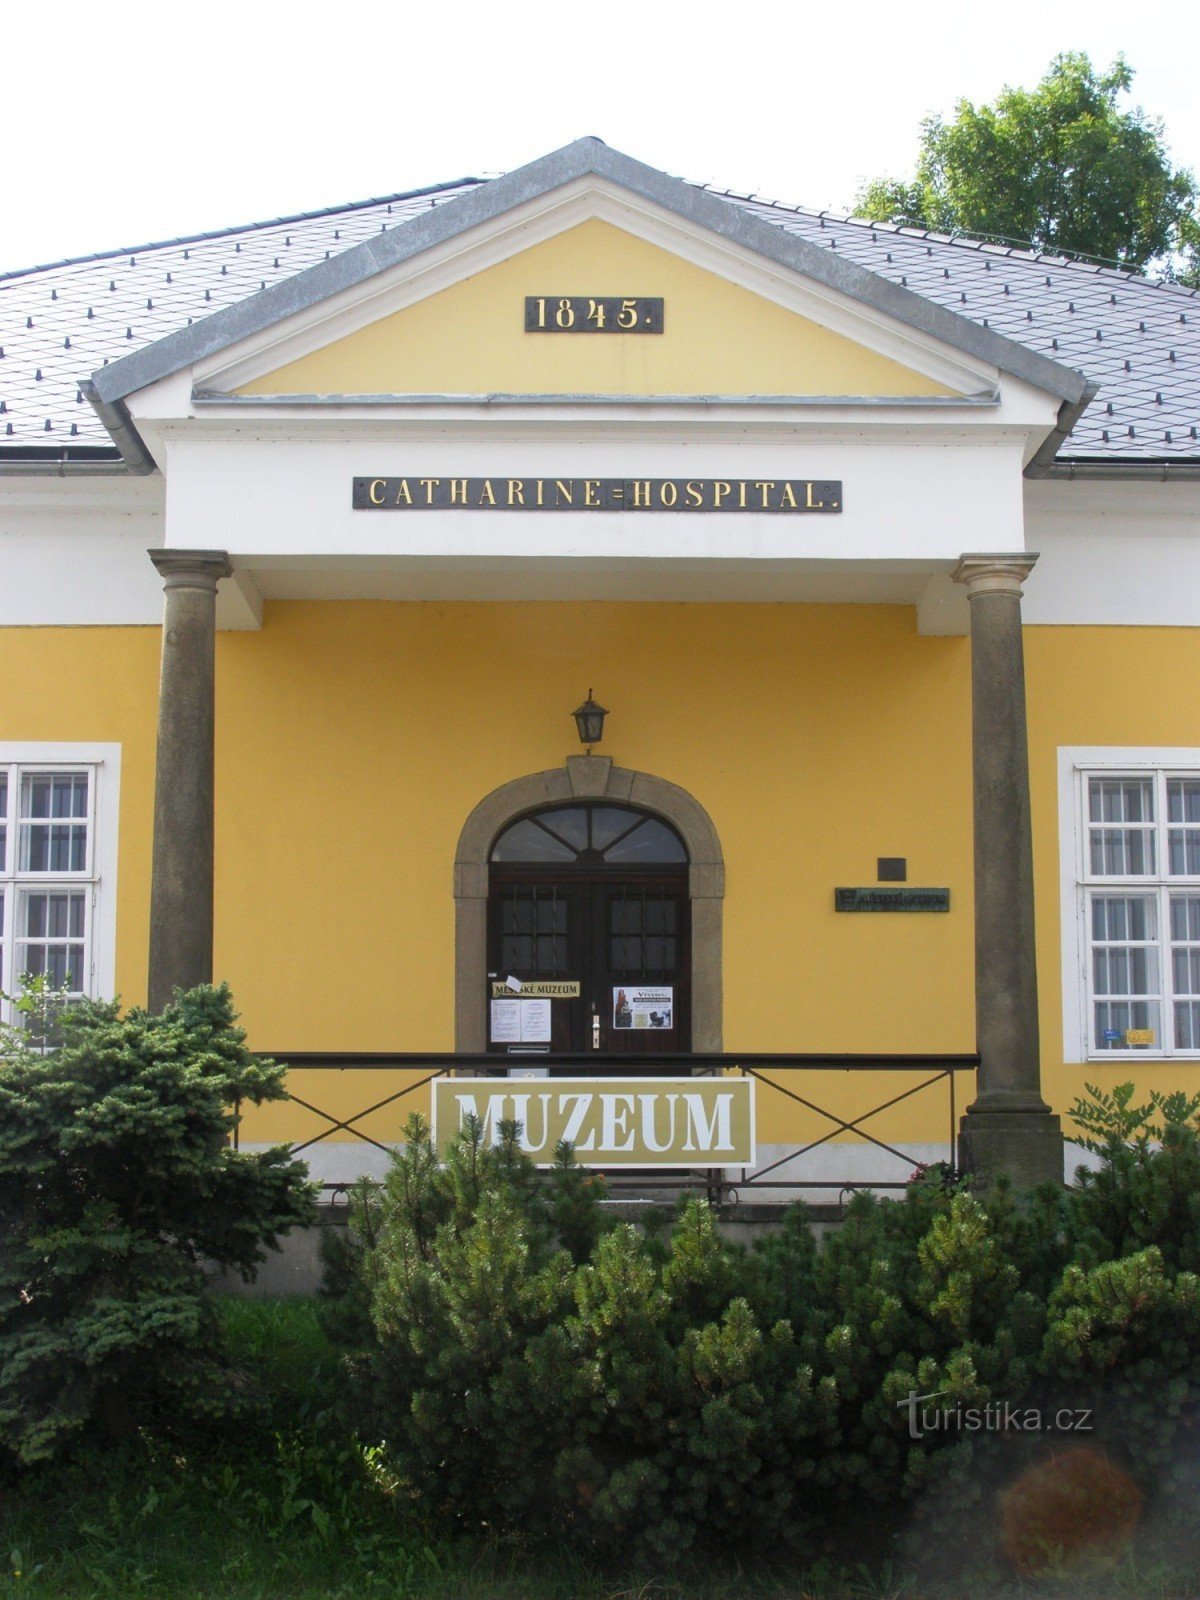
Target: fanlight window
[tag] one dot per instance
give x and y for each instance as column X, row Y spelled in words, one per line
column 590, row 836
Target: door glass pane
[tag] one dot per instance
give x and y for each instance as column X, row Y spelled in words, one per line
column 525, row 841
column 653, row 841
column 551, row 955
column 609, row 822
column 569, row 823
column 619, row 833
column 533, row 933
column 516, row 955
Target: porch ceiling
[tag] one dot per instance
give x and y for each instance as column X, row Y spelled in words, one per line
column 689, row 580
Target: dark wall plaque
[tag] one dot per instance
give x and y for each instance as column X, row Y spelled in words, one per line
column 597, row 494
column 602, row 313
column 891, row 899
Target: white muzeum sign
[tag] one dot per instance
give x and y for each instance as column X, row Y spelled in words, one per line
column 608, row 1122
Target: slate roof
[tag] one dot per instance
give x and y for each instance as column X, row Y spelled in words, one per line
column 59, row 323
column 1138, row 338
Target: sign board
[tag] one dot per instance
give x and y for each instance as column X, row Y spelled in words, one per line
column 601, row 313
column 536, row 989
column 609, row 1122
column 415, row 493
column 644, row 1006
column 520, row 1021
column 891, row 899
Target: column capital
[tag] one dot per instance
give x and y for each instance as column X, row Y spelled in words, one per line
column 994, row 574
column 191, row 569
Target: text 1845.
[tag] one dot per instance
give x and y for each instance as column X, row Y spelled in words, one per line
column 601, row 313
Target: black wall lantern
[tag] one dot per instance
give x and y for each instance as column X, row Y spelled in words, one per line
column 589, row 719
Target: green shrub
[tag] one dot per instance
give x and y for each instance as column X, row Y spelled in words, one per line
column 680, row 1393
column 650, row 1393
column 1146, row 1191
column 117, row 1184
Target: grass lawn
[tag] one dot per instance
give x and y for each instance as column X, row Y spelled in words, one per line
column 288, row 1505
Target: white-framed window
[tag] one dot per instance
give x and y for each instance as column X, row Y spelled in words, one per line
column 58, row 865
column 1129, row 827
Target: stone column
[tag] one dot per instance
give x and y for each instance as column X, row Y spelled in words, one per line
column 181, row 885
column 1009, row 1127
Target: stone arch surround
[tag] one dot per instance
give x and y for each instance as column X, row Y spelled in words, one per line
column 587, row 778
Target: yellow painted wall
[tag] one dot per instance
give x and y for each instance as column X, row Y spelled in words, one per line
column 717, row 338
column 1097, row 686
column 353, row 739
column 101, row 685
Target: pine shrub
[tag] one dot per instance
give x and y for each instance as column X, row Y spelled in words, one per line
column 118, row 1183
column 538, row 1373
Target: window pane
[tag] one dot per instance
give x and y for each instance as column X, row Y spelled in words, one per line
column 50, row 937
column 1116, row 1018
column 35, row 915
column 1183, row 838
column 1125, row 916
column 1183, row 800
column 1187, row 1024
column 1185, row 969
column 1121, row 851
column 3, row 821
column 1185, row 916
column 1122, row 799
column 1125, row 964
column 1144, row 947
column 54, row 822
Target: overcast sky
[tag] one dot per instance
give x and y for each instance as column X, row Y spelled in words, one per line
column 128, row 124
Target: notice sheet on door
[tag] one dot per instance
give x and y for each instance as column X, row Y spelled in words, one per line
column 643, row 1007
column 520, row 1021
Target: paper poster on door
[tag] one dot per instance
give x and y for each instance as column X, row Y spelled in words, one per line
column 642, row 1007
column 520, row 1021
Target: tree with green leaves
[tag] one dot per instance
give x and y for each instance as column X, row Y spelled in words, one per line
column 1062, row 167
column 118, row 1186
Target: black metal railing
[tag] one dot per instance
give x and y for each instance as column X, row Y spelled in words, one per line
column 765, row 1068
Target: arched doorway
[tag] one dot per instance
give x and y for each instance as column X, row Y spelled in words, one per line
column 589, row 913
column 586, row 780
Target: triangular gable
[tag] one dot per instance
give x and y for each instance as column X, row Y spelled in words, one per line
column 716, row 337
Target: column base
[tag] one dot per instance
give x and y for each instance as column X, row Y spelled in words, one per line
column 1026, row 1146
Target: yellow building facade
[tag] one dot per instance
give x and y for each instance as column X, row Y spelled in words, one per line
column 420, row 498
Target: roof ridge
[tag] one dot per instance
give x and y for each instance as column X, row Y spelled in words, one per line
column 1010, row 248
column 7, row 276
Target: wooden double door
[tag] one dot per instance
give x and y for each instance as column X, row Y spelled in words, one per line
column 622, row 939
